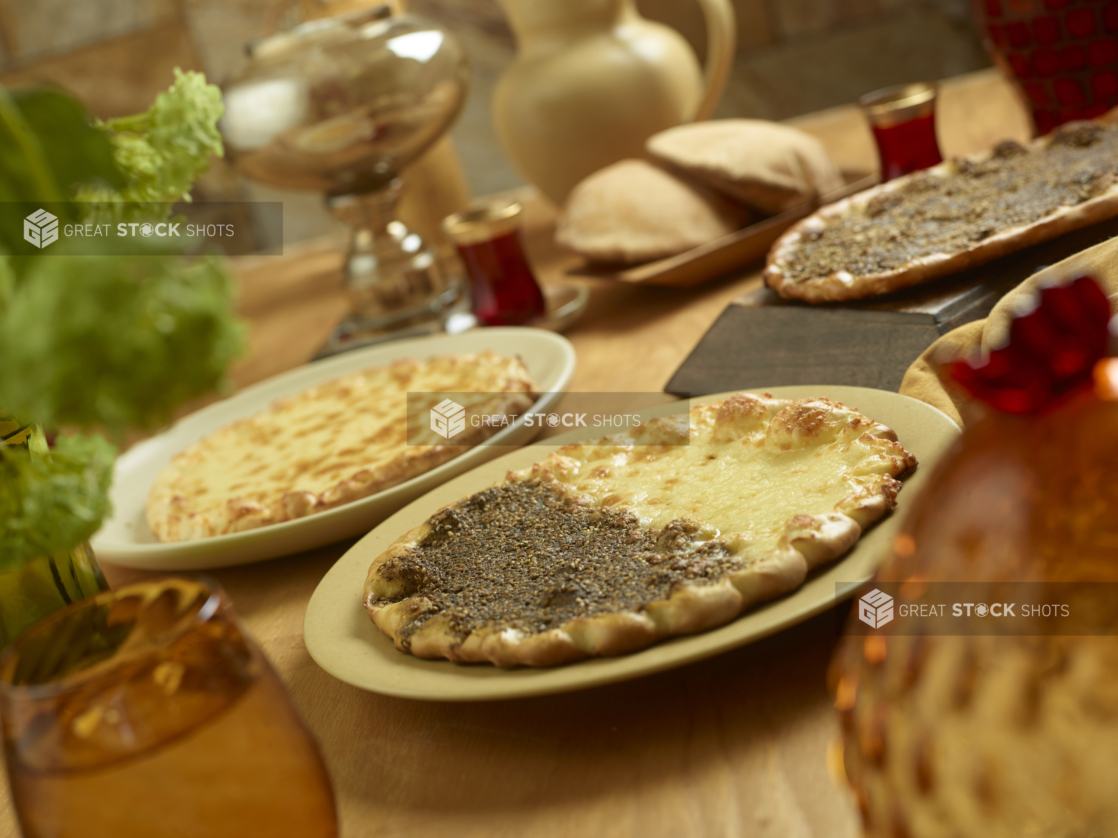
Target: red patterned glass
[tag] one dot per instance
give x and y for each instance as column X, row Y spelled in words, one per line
column 1052, row 354
column 1063, row 54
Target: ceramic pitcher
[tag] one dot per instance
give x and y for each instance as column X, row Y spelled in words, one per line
column 593, row 80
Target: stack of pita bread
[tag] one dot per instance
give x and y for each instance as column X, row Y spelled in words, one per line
column 705, row 180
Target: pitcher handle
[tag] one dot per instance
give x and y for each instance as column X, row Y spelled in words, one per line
column 721, row 43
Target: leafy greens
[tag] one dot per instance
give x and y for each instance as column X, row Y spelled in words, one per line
column 49, row 504
column 48, row 147
column 110, row 341
column 161, row 152
column 115, row 341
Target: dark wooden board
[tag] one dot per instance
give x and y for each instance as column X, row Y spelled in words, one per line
column 762, row 340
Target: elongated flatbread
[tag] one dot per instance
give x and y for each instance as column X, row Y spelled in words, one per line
column 604, row 549
column 954, row 216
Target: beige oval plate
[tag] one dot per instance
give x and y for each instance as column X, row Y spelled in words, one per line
column 125, row 538
column 343, row 640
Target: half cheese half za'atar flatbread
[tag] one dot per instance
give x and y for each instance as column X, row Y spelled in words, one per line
column 604, row 549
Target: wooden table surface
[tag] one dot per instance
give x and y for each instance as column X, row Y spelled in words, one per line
column 733, row 746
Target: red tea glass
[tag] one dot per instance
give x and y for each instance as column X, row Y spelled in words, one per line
column 503, row 288
column 147, row 711
column 903, row 121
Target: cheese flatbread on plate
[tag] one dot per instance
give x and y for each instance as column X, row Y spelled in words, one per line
column 957, row 215
column 330, row 445
column 675, row 528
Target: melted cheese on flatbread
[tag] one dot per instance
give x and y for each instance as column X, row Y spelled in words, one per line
column 748, row 467
column 328, row 445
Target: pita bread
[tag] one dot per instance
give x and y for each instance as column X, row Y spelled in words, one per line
column 605, row 549
column 768, row 166
column 634, row 212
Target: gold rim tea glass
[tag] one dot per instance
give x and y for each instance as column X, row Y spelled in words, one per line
column 503, row 289
column 903, row 121
column 148, row 711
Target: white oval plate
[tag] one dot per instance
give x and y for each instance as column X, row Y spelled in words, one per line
column 343, row 640
column 125, row 539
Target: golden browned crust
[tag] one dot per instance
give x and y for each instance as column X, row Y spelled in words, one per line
column 772, row 562
column 330, row 445
column 842, row 285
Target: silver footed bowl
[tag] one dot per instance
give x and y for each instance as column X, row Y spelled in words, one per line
column 341, row 105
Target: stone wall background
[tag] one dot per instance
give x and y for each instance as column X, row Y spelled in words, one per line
column 794, row 56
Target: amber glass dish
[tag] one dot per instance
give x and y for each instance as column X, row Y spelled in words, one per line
column 147, row 711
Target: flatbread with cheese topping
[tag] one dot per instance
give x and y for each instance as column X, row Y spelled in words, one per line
column 332, row 444
column 605, row 549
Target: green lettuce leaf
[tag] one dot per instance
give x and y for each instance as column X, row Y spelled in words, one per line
column 7, row 285
column 115, row 342
column 78, row 152
column 161, row 152
column 51, row 503
column 48, row 148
